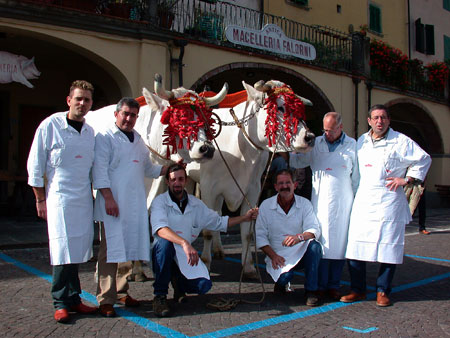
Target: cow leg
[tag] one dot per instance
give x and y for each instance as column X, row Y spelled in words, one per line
column 209, row 235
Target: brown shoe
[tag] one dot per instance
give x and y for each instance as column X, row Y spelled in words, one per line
column 61, row 316
column 107, row 310
column 312, row 299
column 424, row 232
column 383, row 299
column 128, row 301
column 160, row 306
column 82, row 308
column 353, row 297
column 334, row 294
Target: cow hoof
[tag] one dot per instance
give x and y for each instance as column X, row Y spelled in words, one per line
column 219, row 255
column 250, row 275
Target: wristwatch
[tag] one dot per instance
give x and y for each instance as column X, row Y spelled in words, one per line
column 300, row 237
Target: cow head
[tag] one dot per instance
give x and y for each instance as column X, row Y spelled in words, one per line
column 187, row 120
column 281, row 119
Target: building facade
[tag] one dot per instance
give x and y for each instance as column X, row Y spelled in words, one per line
column 120, row 45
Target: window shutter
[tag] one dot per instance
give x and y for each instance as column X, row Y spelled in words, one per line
column 447, row 5
column 420, row 36
column 375, row 18
column 446, row 47
column 429, row 39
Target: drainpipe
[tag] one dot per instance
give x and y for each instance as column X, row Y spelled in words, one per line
column 369, row 86
column 261, row 15
column 177, row 61
column 409, row 31
column 356, row 82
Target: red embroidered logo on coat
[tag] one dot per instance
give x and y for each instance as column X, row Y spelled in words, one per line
column 368, row 165
column 328, row 169
column 135, row 161
column 179, row 232
column 78, row 156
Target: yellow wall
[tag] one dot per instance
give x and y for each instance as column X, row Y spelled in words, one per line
column 356, row 12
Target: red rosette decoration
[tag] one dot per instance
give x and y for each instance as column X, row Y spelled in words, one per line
column 294, row 111
column 184, row 117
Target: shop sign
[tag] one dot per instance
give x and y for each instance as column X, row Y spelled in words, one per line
column 17, row 68
column 270, row 38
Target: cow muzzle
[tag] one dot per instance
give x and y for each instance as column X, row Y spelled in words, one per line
column 207, row 149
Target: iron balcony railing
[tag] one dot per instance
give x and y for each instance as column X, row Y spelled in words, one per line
column 206, row 20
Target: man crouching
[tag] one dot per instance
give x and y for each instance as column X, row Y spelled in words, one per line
column 177, row 219
column 287, row 231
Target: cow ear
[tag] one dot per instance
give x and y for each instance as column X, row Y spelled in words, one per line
column 252, row 93
column 154, row 102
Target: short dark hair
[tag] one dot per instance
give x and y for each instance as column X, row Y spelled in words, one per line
column 129, row 102
column 175, row 167
column 81, row 84
column 283, row 172
column 379, row 107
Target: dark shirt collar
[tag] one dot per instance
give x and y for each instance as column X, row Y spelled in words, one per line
column 181, row 203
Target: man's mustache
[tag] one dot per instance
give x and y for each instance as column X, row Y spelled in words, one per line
column 285, row 189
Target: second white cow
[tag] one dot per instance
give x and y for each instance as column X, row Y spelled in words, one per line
column 271, row 111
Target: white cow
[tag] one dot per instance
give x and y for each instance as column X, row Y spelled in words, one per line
column 247, row 159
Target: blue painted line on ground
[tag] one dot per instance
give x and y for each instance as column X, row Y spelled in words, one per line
column 430, row 258
column 263, row 266
column 370, row 329
column 167, row 332
column 141, row 321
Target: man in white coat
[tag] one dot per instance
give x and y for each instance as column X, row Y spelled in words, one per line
column 387, row 161
column 177, row 219
column 121, row 162
column 63, row 152
column 335, row 179
column 287, row 231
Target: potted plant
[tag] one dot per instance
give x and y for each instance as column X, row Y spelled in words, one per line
column 166, row 13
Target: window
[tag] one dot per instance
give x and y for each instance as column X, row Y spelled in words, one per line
column 300, row 2
column 446, row 47
column 447, row 4
column 374, row 18
column 429, row 39
column 424, row 38
column 420, row 36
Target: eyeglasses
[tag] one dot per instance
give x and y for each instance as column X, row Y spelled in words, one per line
column 128, row 114
column 382, row 118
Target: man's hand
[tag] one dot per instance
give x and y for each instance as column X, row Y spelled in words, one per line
column 395, row 182
column 41, row 207
column 291, row 240
column 191, row 253
column 111, row 207
column 277, row 261
column 252, row 214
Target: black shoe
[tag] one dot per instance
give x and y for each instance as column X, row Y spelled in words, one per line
column 282, row 289
column 160, row 306
column 312, row 299
column 179, row 296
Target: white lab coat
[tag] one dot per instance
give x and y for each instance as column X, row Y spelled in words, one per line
column 335, row 179
column 121, row 166
column 273, row 225
column 65, row 157
column 197, row 216
column 378, row 218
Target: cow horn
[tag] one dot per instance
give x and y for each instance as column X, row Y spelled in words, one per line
column 215, row 100
column 306, row 102
column 262, row 86
column 159, row 89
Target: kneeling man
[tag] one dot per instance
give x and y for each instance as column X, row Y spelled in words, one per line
column 287, row 231
column 177, row 219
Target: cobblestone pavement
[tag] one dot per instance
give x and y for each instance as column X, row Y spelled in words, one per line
column 421, row 299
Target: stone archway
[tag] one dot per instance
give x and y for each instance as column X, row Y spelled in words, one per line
column 251, row 72
column 414, row 120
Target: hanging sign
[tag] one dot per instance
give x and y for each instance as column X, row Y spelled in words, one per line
column 270, row 38
column 17, row 68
